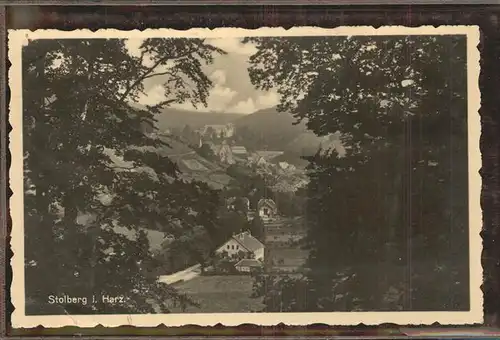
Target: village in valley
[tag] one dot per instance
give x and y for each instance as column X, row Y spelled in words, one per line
column 265, row 188
column 218, row 142
column 212, row 175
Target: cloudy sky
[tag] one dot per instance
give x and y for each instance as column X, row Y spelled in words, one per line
column 232, row 91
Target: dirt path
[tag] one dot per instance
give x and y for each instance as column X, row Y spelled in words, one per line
column 183, row 275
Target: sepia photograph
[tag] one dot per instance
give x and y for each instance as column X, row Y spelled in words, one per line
column 245, row 176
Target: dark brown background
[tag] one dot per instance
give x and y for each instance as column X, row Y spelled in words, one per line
column 184, row 17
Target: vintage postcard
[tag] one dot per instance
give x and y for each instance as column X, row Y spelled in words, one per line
column 242, row 176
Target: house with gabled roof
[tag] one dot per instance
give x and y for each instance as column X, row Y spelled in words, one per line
column 266, row 208
column 243, row 243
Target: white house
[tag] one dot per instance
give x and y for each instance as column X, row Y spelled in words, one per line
column 224, row 153
column 285, row 166
column 256, row 160
column 243, row 242
column 267, row 208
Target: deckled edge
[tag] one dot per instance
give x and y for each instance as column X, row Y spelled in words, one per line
column 18, row 38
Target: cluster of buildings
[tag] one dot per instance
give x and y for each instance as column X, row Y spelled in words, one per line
column 284, row 177
column 278, row 250
column 215, row 131
column 289, row 183
column 232, row 154
column 244, row 244
column 223, row 151
column 266, row 208
column 215, row 137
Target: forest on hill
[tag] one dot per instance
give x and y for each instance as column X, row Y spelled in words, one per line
column 267, row 129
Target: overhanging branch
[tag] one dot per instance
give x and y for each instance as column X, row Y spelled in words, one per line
column 148, row 73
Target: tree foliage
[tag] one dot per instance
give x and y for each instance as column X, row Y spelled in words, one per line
column 89, row 167
column 206, row 152
column 257, row 228
column 390, row 216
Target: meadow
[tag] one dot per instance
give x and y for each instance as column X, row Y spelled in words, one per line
column 220, row 294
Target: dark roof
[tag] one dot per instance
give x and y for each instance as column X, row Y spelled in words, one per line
column 248, row 263
column 248, row 241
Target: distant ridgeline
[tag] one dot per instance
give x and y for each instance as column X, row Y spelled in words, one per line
column 265, row 129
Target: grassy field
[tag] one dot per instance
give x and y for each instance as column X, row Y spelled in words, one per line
column 220, row 294
column 286, row 258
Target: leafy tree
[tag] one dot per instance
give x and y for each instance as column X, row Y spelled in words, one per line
column 391, row 211
column 210, row 133
column 187, row 134
column 86, row 154
column 246, row 137
column 241, row 205
column 248, row 184
column 290, row 204
column 195, row 247
column 282, row 293
column 231, row 222
column 257, row 228
column 206, row 152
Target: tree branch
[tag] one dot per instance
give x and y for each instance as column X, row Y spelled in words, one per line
column 148, row 73
column 163, row 103
column 158, row 74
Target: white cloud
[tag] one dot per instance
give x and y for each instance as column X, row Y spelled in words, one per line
column 223, row 93
column 133, row 47
column 233, row 45
column 250, row 105
column 244, row 106
column 269, row 99
column 218, row 77
column 152, row 97
column 232, row 91
column 219, row 98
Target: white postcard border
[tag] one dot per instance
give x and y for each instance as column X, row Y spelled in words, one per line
column 18, row 38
